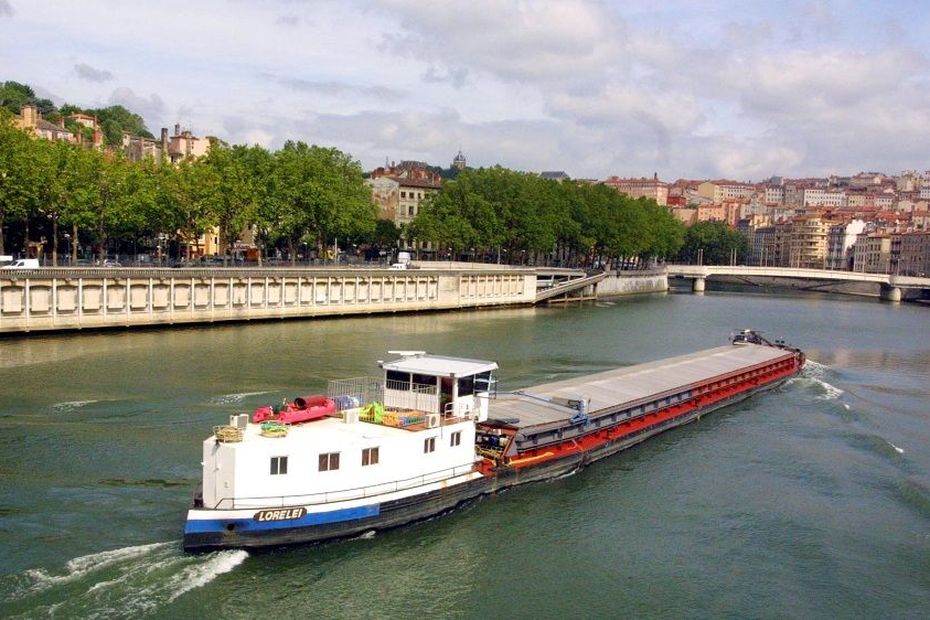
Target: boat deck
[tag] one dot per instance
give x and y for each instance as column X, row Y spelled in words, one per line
column 628, row 385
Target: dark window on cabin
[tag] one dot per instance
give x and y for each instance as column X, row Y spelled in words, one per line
column 455, row 439
column 466, row 386
column 482, row 382
column 398, row 380
column 424, row 380
column 329, row 461
column 369, row 456
column 429, row 445
column 278, row 465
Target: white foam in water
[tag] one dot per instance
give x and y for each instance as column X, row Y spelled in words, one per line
column 201, row 574
column 129, row 581
column 814, row 369
column 80, row 566
column 831, row 392
column 813, row 373
column 71, row 405
column 896, row 448
column 231, row 399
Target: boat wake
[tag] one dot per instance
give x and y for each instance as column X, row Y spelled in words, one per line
column 234, row 399
column 130, row 581
column 813, row 375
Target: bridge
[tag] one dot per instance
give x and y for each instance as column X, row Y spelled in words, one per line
column 890, row 285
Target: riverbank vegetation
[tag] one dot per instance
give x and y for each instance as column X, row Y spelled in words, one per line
column 517, row 217
column 63, row 201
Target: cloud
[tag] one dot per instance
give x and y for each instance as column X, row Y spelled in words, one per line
column 6, row 9
column 86, row 72
column 332, row 88
column 566, row 40
column 150, row 108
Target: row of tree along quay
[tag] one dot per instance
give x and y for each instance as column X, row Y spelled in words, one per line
column 67, row 203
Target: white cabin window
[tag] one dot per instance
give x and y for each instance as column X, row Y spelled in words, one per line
column 329, row 461
column 369, row 456
column 278, row 465
column 429, row 445
column 455, row 439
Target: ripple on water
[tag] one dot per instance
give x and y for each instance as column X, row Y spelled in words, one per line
column 234, row 399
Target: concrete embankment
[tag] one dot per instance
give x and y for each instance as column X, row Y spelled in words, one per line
column 633, row 283
column 73, row 299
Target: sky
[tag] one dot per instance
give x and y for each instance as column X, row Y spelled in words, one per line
column 703, row 89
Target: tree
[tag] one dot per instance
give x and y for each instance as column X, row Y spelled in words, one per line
column 184, row 194
column 316, row 193
column 232, row 192
column 712, row 243
column 18, row 168
column 13, row 96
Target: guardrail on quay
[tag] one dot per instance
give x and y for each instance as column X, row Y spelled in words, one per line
column 90, row 298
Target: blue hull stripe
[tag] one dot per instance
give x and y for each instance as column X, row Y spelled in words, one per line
column 200, row 526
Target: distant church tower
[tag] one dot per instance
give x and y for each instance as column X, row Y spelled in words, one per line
column 459, row 161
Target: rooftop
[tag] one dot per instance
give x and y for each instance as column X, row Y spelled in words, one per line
column 438, row 365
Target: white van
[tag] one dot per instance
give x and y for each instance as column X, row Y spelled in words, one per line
column 23, row 263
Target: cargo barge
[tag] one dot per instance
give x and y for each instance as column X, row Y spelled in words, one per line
column 432, row 432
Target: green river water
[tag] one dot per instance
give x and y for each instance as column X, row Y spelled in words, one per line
column 809, row 501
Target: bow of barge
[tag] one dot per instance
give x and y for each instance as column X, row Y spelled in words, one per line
column 433, row 431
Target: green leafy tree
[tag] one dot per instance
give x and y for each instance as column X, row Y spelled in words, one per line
column 712, row 243
column 316, row 194
column 19, row 167
column 233, row 194
column 13, row 96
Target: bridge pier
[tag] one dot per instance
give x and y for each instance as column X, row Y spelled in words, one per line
column 890, row 293
column 698, row 285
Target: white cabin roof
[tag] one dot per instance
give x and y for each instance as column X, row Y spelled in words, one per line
column 439, row 365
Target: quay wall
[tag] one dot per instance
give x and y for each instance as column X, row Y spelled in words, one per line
column 633, row 283
column 74, row 299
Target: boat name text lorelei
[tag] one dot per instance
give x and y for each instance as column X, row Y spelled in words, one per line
column 282, row 514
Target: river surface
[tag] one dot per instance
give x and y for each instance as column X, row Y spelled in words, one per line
column 810, row 501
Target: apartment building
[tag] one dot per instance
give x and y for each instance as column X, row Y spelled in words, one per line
column 30, row 120
column 641, row 188
column 819, row 197
column 872, row 253
column 914, row 254
column 415, row 183
column 722, row 190
column 807, row 242
column 840, row 240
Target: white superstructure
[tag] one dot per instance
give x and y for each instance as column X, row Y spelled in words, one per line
column 424, row 433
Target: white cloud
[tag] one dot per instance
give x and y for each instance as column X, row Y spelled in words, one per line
column 592, row 87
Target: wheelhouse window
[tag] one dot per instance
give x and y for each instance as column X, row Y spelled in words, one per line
column 369, row 456
column 278, row 465
column 424, row 383
column 455, row 439
column 429, row 445
column 398, row 380
column 466, row 386
column 329, row 461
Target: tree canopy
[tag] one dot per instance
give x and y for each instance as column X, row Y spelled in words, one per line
column 712, row 243
column 520, row 217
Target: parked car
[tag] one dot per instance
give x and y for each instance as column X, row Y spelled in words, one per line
column 23, row 263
